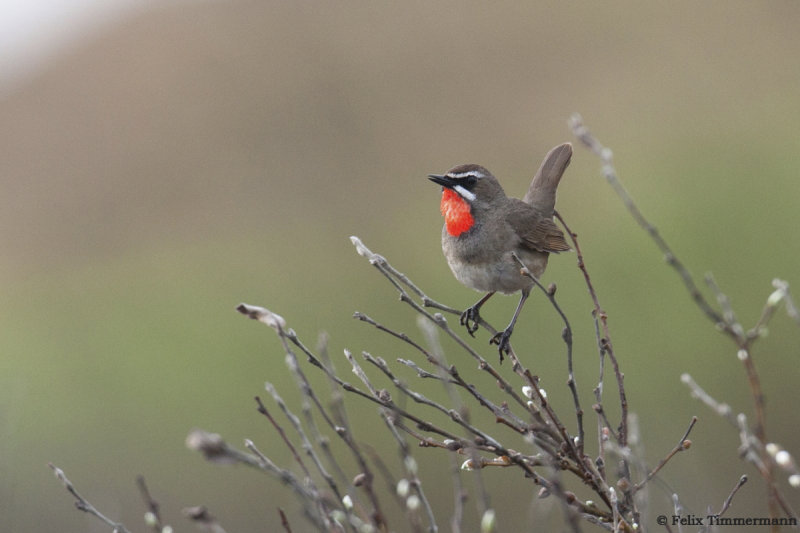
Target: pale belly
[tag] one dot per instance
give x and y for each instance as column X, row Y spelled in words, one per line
column 502, row 275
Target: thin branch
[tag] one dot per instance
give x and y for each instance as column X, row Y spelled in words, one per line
column 264, row 411
column 389, row 272
column 284, row 521
column 455, row 378
column 82, row 504
column 782, row 288
column 566, row 335
column 725, row 320
column 342, row 429
column 411, row 469
column 683, row 445
column 727, row 503
column 605, row 348
column 605, row 345
column 307, row 497
column 678, row 510
column 453, row 414
column 590, row 141
column 564, row 441
column 722, row 409
column 397, row 279
column 435, row 350
column 153, row 514
column 380, row 262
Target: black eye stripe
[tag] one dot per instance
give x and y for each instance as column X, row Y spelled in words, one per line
column 468, row 179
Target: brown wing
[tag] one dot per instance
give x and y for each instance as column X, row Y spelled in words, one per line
column 536, row 231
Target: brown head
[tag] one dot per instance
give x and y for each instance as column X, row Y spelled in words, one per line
column 467, row 190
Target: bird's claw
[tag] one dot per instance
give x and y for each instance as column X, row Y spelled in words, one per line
column 503, row 341
column 470, row 319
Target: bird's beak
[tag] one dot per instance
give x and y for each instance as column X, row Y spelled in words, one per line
column 442, row 180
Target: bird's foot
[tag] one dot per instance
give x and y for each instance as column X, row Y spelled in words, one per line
column 503, row 341
column 470, row 319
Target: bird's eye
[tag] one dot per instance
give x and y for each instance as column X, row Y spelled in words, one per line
column 467, row 179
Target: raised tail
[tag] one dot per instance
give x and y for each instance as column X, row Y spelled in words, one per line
column 542, row 192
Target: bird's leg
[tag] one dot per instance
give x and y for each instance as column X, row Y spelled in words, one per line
column 501, row 338
column 472, row 315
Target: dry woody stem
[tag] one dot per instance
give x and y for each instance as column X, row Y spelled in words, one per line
column 499, row 419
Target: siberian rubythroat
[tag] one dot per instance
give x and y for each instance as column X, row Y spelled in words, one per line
column 483, row 228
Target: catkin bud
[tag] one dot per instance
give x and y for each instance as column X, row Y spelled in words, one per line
column 488, row 521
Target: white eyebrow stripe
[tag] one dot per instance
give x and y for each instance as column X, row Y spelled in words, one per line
column 464, row 193
column 467, row 174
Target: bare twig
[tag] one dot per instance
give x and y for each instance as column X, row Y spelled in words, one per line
column 727, row 503
column 284, row 521
column 604, row 343
column 153, row 516
column 605, row 155
column 82, row 504
column 725, row 319
column 413, row 501
column 722, row 409
column 264, row 411
column 561, row 438
column 678, row 510
column 683, row 445
column 606, row 348
column 342, row 428
column 398, row 279
column 566, row 335
column 322, row 508
column 551, row 457
column 502, row 415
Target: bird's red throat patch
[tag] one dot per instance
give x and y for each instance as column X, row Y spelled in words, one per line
column 455, row 209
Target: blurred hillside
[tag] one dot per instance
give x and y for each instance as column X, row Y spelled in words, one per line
column 157, row 174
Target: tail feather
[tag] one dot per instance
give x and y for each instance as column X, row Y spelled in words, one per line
column 542, row 192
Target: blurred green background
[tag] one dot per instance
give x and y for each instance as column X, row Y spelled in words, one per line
column 192, row 157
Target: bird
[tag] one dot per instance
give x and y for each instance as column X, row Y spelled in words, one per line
column 484, row 229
